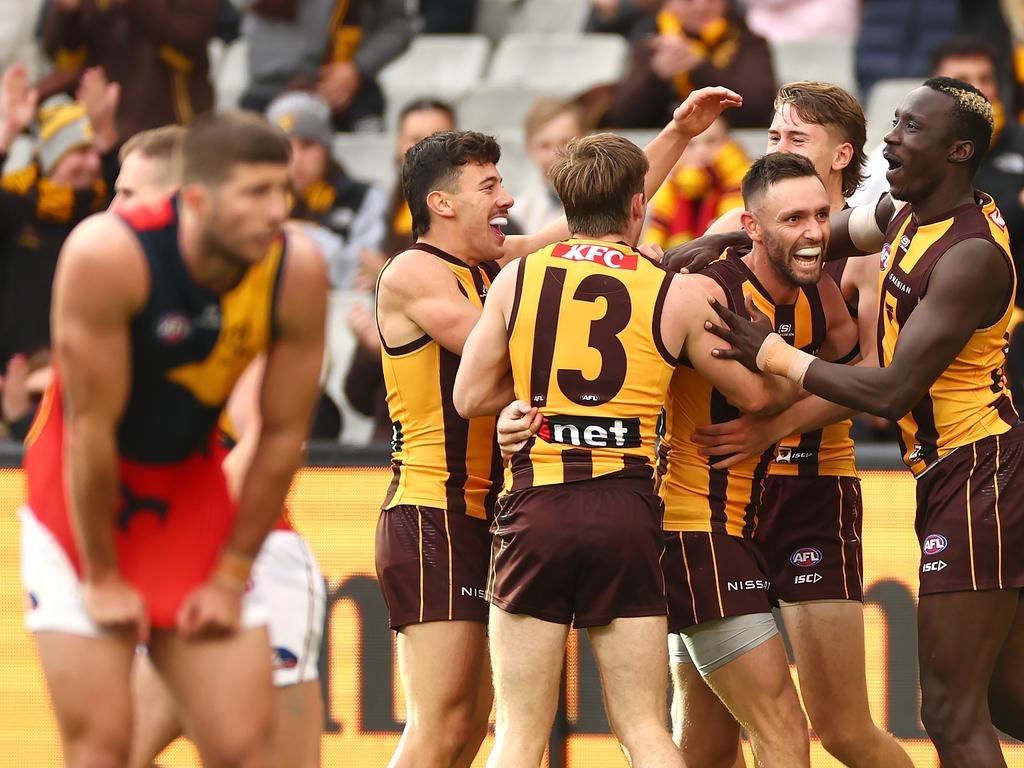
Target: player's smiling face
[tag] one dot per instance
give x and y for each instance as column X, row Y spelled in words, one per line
column 789, row 132
column 918, row 146
column 793, row 226
column 481, row 204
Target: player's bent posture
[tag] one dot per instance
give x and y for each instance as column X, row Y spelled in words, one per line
column 946, row 299
column 809, row 519
column 286, row 577
column 432, row 537
column 130, row 533
column 577, row 538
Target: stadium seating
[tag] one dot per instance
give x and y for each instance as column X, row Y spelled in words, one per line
column 229, row 72
column 561, row 64
column 830, row 61
column 437, row 66
column 490, row 109
column 367, row 156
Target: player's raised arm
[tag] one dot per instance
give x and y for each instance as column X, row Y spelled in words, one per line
column 100, row 282
column 971, row 279
column 701, row 108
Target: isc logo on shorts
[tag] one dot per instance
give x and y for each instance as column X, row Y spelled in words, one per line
column 806, row 557
column 934, row 543
column 591, row 432
column 605, row 255
column 808, row 578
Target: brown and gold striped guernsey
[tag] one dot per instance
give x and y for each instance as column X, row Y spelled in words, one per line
column 698, row 497
column 826, row 452
column 586, row 348
column 439, row 459
column 968, row 401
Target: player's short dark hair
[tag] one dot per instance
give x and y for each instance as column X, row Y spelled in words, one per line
column 972, row 117
column 215, row 143
column 436, row 163
column 771, row 169
column 596, row 177
column 427, row 105
column 962, row 46
column 832, row 107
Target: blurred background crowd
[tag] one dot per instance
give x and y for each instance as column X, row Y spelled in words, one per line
column 355, row 83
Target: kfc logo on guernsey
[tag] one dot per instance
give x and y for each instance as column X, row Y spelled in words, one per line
column 605, row 255
column 806, row 557
column 590, row 432
column 934, row 544
column 997, row 218
column 883, row 261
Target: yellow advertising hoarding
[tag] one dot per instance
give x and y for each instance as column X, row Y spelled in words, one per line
column 336, row 510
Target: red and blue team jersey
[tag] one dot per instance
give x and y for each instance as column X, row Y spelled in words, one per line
column 188, row 348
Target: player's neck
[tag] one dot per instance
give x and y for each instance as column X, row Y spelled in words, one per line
column 943, row 199
column 452, row 243
column 782, row 291
column 836, row 200
column 206, row 266
column 608, row 237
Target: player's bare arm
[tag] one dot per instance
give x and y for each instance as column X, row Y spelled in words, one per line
column 852, row 234
column 483, row 385
column 966, row 289
column 417, row 296
column 101, row 281
column 701, row 108
column 287, row 397
column 688, row 306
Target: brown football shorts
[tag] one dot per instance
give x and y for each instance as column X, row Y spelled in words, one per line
column 432, row 565
column 712, row 576
column 970, row 517
column 582, row 553
column 809, row 531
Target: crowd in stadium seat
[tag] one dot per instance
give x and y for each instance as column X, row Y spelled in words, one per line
column 356, row 83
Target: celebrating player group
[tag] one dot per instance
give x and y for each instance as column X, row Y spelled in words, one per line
column 586, row 433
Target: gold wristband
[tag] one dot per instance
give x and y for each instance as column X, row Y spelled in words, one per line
column 233, row 570
column 778, row 357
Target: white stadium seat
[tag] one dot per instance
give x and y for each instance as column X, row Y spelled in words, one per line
column 229, row 73
column 367, row 156
column 549, row 16
column 493, row 108
column 563, row 64
column 830, row 61
column 436, row 66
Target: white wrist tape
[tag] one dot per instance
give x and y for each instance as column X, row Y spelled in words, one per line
column 778, row 357
column 864, row 230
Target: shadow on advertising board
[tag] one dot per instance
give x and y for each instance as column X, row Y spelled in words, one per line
column 336, row 510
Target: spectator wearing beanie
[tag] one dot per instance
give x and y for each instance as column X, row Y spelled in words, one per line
column 350, row 213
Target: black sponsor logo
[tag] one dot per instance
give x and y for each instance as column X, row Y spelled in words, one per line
column 590, row 431
column 396, row 436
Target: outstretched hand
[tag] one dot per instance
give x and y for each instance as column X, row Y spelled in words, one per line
column 702, row 107
column 745, row 336
column 18, row 101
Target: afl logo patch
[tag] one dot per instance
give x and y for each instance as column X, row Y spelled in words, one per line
column 934, row 544
column 173, row 328
column 806, row 557
column 282, row 658
column 883, row 262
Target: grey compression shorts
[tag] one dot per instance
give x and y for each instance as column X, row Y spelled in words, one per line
column 712, row 644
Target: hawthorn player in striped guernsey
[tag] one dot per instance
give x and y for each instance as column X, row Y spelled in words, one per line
column 946, row 295
column 809, row 519
column 432, row 536
column 591, row 332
